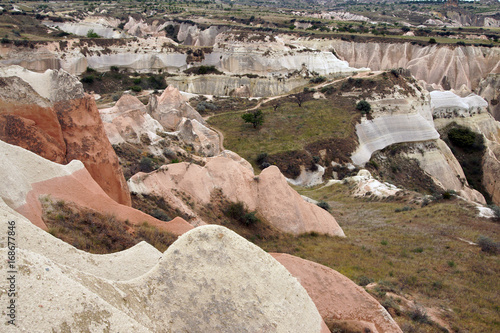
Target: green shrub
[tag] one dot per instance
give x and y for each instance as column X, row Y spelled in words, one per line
column 432, row 41
column 137, row 81
column 488, row 245
column 146, row 164
column 136, row 88
column 324, row 205
column 363, row 106
column 364, row 280
column 89, row 79
column 238, row 212
column 256, row 118
column 92, row 34
column 466, row 139
column 318, row 79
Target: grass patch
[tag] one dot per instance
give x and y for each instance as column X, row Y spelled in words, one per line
column 98, row 233
column 415, row 252
column 290, row 128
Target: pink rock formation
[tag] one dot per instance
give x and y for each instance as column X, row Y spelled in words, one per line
column 27, row 177
column 269, row 193
column 170, row 108
column 86, row 141
column 60, row 127
column 340, row 301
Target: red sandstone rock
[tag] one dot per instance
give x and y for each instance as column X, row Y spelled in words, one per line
column 86, row 141
column 339, row 300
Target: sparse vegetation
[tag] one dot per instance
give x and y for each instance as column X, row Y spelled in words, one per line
column 239, row 212
column 94, row 232
column 92, row 34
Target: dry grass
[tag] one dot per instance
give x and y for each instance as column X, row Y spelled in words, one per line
column 94, row 232
column 416, row 254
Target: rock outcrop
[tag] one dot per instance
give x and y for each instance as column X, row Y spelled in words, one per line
column 450, row 67
column 236, row 286
column 26, row 177
column 128, row 121
column 268, row 193
column 489, row 89
column 170, row 108
column 337, row 298
column 52, row 116
column 482, row 122
column 436, row 159
column 395, row 118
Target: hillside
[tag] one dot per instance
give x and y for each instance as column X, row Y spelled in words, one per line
column 238, row 166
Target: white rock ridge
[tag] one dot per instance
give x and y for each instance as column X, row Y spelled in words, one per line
column 209, row 280
column 384, row 131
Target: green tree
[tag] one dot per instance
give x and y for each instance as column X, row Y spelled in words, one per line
column 256, row 118
column 92, row 34
column 364, row 107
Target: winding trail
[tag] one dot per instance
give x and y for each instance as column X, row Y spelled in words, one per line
column 268, row 99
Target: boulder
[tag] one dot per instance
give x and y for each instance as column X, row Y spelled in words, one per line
column 340, row 301
column 268, row 194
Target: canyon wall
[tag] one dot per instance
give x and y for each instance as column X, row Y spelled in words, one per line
column 448, row 66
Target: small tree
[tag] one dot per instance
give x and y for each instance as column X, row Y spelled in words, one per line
column 92, row 34
column 364, row 107
column 256, row 118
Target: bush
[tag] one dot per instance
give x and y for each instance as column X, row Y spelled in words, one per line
column 432, row 41
column 256, row 118
column 146, row 164
column 488, row 245
column 318, row 79
column 364, row 280
column 136, row 88
column 92, row 34
column 466, row 139
column 364, row 107
column 89, row 79
column 238, row 212
column 324, row 205
column 419, row 315
column 261, row 158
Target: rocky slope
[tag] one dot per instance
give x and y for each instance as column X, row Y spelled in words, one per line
column 448, row 66
column 489, row 89
column 472, row 112
column 186, row 185
column 168, row 115
column 29, row 178
column 49, row 114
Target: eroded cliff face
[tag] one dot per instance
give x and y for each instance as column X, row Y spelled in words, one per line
column 478, row 120
column 58, row 121
column 489, row 89
column 448, row 66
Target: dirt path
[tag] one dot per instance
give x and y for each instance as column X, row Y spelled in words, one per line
column 268, row 99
